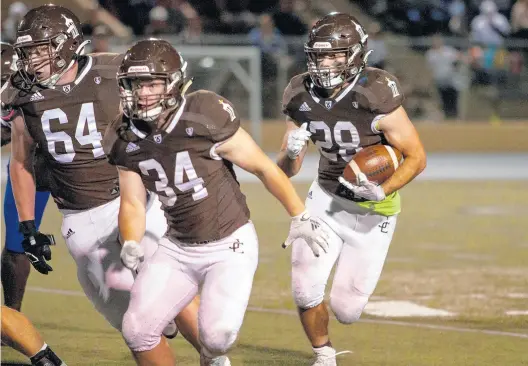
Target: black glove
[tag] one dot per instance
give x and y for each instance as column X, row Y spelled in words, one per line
column 36, row 246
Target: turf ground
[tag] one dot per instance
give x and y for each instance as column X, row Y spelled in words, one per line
column 460, row 246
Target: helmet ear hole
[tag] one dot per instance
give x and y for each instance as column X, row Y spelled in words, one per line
column 171, row 102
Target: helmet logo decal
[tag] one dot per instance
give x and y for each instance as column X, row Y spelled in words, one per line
column 361, row 32
column 26, row 38
column 138, row 69
column 228, row 109
column 322, row 45
column 394, row 88
column 72, row 29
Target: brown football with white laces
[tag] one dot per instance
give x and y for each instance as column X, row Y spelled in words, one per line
column 377, row 162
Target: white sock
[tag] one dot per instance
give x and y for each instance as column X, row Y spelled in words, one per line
column 326, row 350
column 42, row 349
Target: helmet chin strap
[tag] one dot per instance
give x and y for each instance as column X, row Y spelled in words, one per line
column 53, row 79
column 151, row 114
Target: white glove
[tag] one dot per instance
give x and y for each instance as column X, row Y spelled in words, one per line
column 132, row 254
column 364, row 188
column 313, row 230
column 296, row 141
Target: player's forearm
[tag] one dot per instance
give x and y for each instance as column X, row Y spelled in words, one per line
column 24, row 189
column 410, row 168
column 288, row 166
column 131, row 219
column 278, row 184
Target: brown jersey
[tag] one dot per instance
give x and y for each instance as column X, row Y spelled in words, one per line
column 68, row 122
column 201, row 196
column 40, row 168
column 345, row 123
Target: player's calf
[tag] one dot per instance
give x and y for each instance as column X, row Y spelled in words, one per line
column 347, row 305
column 15, row 272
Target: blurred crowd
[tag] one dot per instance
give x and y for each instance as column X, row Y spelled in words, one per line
column 484, row 29
column 488, row 43
column 193, row 17
column 484, row 20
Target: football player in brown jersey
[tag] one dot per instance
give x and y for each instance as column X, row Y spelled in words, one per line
column 184, row 147
column 15, row 265
column 20, row 334
column 67, row 100
column 342, row 105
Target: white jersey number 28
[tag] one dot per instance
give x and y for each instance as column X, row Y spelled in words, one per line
column 335, row 138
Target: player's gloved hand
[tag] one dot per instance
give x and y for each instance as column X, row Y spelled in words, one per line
column 313, row 230
column 296, row 141
column 7, row 113
column 364, row 188
column 132, row 254
column 36, row 246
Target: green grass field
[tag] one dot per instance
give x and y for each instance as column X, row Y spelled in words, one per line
column 465, row 251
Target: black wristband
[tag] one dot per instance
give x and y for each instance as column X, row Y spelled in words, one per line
column 27, row 228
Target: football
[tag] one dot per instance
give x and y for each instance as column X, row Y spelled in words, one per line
column 377, row 162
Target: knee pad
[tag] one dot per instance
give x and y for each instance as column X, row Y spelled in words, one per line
column 217, row 340
column 347, row 306
column 137, row 337
column 308, row 296
column 307, row 300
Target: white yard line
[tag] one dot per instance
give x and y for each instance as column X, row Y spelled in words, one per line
column 294, row 313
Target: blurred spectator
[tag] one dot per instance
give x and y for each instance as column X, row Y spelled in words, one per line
column 16, row 12
column 376, row 43
column 443, row 61
column 263, row 6
column 234, row 15
column 458, row 17
column 519, row 19
column 489, row 28
column 100, row 37
column 93, row 21
column 134, row 13
column 159, row 21
column 287, row 22
column 179, row 14
column 503, row 6
column 273, row 50
column 267, row 37
column 192, row 34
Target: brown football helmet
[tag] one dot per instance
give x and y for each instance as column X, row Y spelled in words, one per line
column 148, row 60
column 55, row 27
column 8, row 61
column 333, row 34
